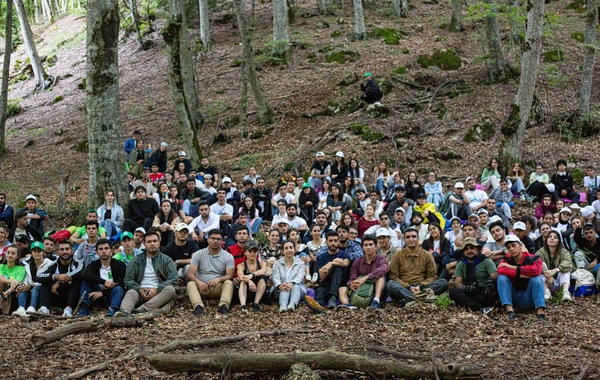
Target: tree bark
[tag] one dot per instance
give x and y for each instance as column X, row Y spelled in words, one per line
column 265, row 115
column 589, row 59
column 497, row 60
column 400, row 8
column 281, row 37
column 5, row 74
column 103, row 107
column 205, row 36
column 323, row 360
column 135, row 16
column 182, row 79
column 516, row 23
column 359, row 19
column 456, row 20
column 42, row 80
column 514, row 128
column 36, row 12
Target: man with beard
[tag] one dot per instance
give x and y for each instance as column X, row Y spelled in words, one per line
column 384, row 223
column 237, row 250
column 262, row 195
column 353, row 249
column 474, row 276
column 319, row 171
column 181, row 251
column 401, row 201
column 6, row 212
column 417, row 224
column 295, row 222
column 202, row 224
column 477, row 197
column 496, row 250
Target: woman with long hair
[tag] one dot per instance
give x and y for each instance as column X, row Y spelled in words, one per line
column 516, row 177
column 162, row 192
column 165, row 221
column 288, row 273
column 308, row 202
column 110, row 215
column 314, row 246
column 324, row 193
column 348, row 220
column 29, row 290
column 437, row 245
column 539, row 183
column 380, row 176
column 557, row 266
column 336, row 202
column 339, row 169
column 249, row 207
column 366, row 221
column 355, row 171
column 490, row 178
column 12, row 274
column 433, row 190
column 273, row 248
column 413, row 186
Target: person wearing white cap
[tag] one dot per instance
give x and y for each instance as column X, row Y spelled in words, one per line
column 339, row 168
column 519, row 283
column 458, row 203
column 182, row 158
column 564, row 227
column 232, row 196
column 35, row 216
column 384, row 224
column 160, row 156
column 181, row 251
column 557, row 265
column 519, row 229
column 384, row 248
column 320, row 170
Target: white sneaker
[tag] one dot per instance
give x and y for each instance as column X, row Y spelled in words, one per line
column 547, row 294
column 308, row 277
column 315, row 277
column 68, row 312
column 30, row 309
column 44, row 310
column 20, row 312
column 566, row 296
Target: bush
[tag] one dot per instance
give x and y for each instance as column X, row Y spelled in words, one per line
column 13, row 107
column 445, row 59
column 554, row 56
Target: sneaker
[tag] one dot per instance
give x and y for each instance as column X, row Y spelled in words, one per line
column 282, row 308
column 541, row 317
column 315, row 277
column 111, row 312
column 68, row 312
column 314, row 305
column 547, row 294
column 122, row 313
column 332, row 304
column 44, row 310
column 375, row 304
column 486, row 310
column 20, row 312
column 346, row 306
column 198, row 311
column 223, row 309
column 84, row 312
column 244, row 309
column 511, row 316
column 566, row 296
column 256, row 308
column 308, row 277
column 291, row 307
column 31, row 309
column 139, row 310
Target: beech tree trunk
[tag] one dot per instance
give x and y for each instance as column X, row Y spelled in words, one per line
column 182, row 79
column 588, row 66
column 103, row 107
column 401, row 8
column 516, row 23
column 205, row 36
column 359, row 19
column 36, row 12
column 42, row 80
column 135, row 16
column 265, row 115
column 456, row 20
column 514, row 128
column 281, row 37
column 497, row 60
column 5, row 74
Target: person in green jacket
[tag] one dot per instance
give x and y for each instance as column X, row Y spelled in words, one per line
column 557, row 266
column 490, row 178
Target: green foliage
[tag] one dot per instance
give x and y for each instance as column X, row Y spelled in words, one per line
column 358, row 128
column 578, row 36
column 578, row 176
column 554, row 56
column 484, row 130
column 236, row 63
column 57, row 99
column 390, row 36
column 259, row 134
column 578, row 6
column 400, row 70
column 443, row 301
column 365, row 132
column 83, row 84
column 336, row 33
column 445, row 59
column 261, row 238
column 405, row 50
column 342, row 56
column 13, row 107
column 312, row 57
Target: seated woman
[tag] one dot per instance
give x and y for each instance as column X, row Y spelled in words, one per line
column 249, row 207
column 503, row 197
column 366, row 221
column 516, row 178
column 166, row 221
column 162, row 192
column 29, row 290
column 288, row 273
column 556, row 267
column 546, row 205
column 356, row 172
column 543, row 232
column 251, row 275
column 381, row 174
column 314, row 246
column 308, row 202
column 336, row 202
column 324, row 193
column 530, row 225
column 302, row 251
column 273, row 248
column 455, row 230
column 428, row 211
column 339, row 168
column 434, row 191
column 490, row 178
column 347, row 220
column 413, row 186
column 253, row 176
column 110, row 215
column 539, row 183
column 12, row 274
column 437, row 245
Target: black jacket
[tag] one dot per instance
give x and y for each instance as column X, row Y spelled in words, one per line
column 562, row 182
column 33, row 233
column 74, row 270
column 371, row 86
column 140, row 210
column 91, row 273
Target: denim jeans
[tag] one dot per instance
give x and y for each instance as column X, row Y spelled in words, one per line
column 399, row 292
column 295, row 295
column 33, row 295
column 190, row 209
column 436, row 199
column 528, row 299
column 111, row 297
column 255, row 225
column 110, row 227
column 517, row 187
column 380, row 185
column 315, row 183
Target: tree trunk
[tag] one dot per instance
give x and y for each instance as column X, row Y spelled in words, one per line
column 5, row 74
column 321, row 6
column 281, row 37
column 265, row 115
column 49, row 11
column 42, row 80
column 244, row 99
column 37, row 18
column 456, row 20
column 359, row 19
column 400, row 8
column 323, row 360
column 588, row 66
column 182, row 79
column 205, row 36
column 514, row 128
column 497, row 60
column 516, row 23
column 135, row 16
column 103, row 107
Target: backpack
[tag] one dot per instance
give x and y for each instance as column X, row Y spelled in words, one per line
column 362, row 297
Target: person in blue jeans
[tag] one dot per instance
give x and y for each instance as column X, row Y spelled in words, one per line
column 519, row 282
column 103, row 281
column 29, row 290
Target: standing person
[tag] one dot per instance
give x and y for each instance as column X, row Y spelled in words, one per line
column 251, row 274
column 287, row 276
column 564, row 184
column 30, row 289
column 110, row 215
column 103, row 281
column 137, row 158
column 372, row 91
column 131, row 142
column 434, row 191
column 150, row 279
column 6, row 212
column 490, row 178
column 12, row 274
column 319, row 171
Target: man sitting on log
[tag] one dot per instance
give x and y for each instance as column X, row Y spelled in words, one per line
column 150, row 279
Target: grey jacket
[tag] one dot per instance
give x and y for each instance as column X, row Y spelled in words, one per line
column 279, row 272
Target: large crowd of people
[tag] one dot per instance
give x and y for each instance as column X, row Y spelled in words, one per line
column 344, row 237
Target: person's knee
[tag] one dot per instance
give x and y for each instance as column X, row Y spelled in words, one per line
column 168, row 291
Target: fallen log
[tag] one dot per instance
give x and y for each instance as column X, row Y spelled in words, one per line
column 324, row 360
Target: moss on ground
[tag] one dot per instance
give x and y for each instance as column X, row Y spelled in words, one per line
column 445, row 59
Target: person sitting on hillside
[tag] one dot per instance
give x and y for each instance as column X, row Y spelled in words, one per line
column 206, row 168
column 36, row 217
column 458, row 203
column 401, row 201
column 110, row 215
column 22, row 228
column 182, row 159
column 539, row 183
column 496, row 250
column 80, row 234
column 144, row 180
column 591, row 182
column 155, row 175
column 319, row 171
column 437, row 245
column 30, row 288
column 86, row 251
column 546, row 205
column 141, row 211
column 503, row 196
column 413, row 187
column 372, row 91
column 191, row 197
column 556, row 266
column 490, row 178
column 137, row 159
column 165, row 222
column 516, row 176
column 251, row 276
column 430, row 214
column 262, row 196
column 160, row 157
column 434, row 191
column 6, row 212
column 477, row 197
column 131, row 142
column 564, row 183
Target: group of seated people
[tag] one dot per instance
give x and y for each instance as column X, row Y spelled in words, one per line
column 332, row 241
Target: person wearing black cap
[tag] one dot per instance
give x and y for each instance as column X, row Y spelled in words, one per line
column 401, row 201
column 21, row 227
column 141, row 211
column 416, row 223
column 564, row 184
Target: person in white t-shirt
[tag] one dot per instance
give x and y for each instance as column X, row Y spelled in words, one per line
column 477, row 197
column 591, row 182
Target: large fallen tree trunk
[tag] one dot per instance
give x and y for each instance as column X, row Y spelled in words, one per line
column 325, row 360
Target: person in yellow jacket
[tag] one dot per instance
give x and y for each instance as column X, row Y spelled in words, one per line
column 428, row 211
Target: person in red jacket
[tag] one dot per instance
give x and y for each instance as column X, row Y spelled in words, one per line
column 519, row 282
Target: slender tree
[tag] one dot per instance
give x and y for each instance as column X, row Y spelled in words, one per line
column 135, row 16
column 205, row 36
column 514, row 128
column 496, row 54
column 359, row 19
column 589, row 59
column 5, row 74
column 516, row 21
column 265, row 115
column 103, row 119
column 182, row 79
column 400, row 8
column 456, row 20
column 281, row 37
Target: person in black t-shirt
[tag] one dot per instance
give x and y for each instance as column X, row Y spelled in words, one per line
column 206, row 168
column 181, row 251
column 320, row 170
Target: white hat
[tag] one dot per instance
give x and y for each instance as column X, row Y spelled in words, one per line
column 495, row 219
column 453, row 219
column 469, row 178
column 511, row 239
column 283, row 220
column 473, row 216
column 340, row 154
column 382, row 232
column 587, row 211
column 31, row 196
column 519, row 226
column 459, row 185
column 319, row 154
column 483, row 211
column 226, row 179
column 182, row 226
column 565, row 209
column 182, row 153
column 164, row 144
column 140, row 229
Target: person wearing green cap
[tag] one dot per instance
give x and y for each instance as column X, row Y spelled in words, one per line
column 308, row 202
column 29, row 290
column 128, row 250
column 372, row 91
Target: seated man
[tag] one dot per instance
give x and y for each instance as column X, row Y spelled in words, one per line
column 371, row 267
column 384, row 248
column 144, row 181
column 210, row 275
column 503, row 196
column 474, row 276
column 519, row 281
column 22, row 227
column 223, row 209
column 412, row 270
column 416, row 223
column 137, row 158
column 279, row 196
column 450, row 261
column 61, row 281
column 319, row 171
column 564, row 184
column 458, row 203
column 191, row 197
column 262, row 196
column 477, row 197
column 181, row 251
column 103, row 281
column 206, row 221
column 496, row 249
column 128, row 249
column 142, row 211
column 150, row 279
column 80, row 235
column 86, row 251
column 400, row 201
column 372, row 92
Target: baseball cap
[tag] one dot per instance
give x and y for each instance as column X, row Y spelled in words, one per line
column 164, row 144
column 182, row 153
column 126, row 234
column 226, row 179
column 382, row 232
column 482, row 211
column 400, row 188
column 519, row 226
column 22, row 238
column 565, row 209
column 421, row 195
column 208, row 176
column 31, row 196
column 469, row 241
column 305, row 185
column 283, row 221
column 340, row 154
column 146, row 168
column 399, row 209
column 319, row 154
column 495, row 219
column 511, row 239
column 368, row 74
column 473, row 216
column 459, row 185
column 453, row 219
column 587, row 211
column 182, row 226
column 36, row 244
column 469, row 178
column 140, row 229
column 252, row 244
